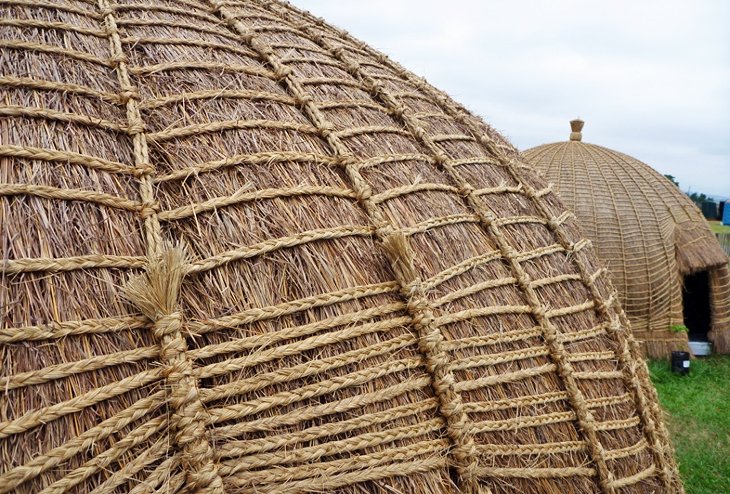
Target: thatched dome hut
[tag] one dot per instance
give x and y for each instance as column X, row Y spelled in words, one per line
column 654, row 240
column 244, row 252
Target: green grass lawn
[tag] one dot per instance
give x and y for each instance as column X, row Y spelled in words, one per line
column 718, row 227
column 698, row 406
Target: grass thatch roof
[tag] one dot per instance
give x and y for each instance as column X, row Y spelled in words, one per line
column 644, row 228
column 244, row 252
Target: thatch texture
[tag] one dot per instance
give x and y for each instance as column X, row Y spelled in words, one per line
column 244, row 252
column 648, row 233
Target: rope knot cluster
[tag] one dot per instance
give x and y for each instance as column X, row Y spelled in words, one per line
column 136, row 127
column 398, row 110
column 144, row 169
column 149, row 209
column 466, row 190
column 352, row 67
column 281, row 72
column 128, row 94
column 346, row 159
column 326, row 129
column 304, row 99
column 167, row 325
column 118, row 59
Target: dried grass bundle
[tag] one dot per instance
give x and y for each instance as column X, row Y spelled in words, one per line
column 375, row 295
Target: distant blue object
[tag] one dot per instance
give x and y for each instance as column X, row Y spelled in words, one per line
column 726, row 214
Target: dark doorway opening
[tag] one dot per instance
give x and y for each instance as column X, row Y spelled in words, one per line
column 696, row 297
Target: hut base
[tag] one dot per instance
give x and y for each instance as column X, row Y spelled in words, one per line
column 661, row 344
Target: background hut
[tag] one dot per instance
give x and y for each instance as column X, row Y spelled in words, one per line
column 666, row 263
column 244, row 252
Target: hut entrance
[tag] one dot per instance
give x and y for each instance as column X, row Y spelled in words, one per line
column 696, row 296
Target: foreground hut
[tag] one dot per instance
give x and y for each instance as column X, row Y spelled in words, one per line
column 244, row 252
column 666, row 263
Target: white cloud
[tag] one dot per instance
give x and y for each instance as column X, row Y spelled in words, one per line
column 651, row 78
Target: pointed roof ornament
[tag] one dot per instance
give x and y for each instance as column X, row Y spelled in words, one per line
column 576, row 126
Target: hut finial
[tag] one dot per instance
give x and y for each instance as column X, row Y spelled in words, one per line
column 576, row 126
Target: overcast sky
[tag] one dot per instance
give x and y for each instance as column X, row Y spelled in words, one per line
column 650, row 78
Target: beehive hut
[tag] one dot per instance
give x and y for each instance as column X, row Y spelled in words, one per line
column 243, row 252
column 666, row 263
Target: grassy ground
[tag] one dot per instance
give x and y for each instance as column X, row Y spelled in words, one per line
column 699, row 421
column 718, row 227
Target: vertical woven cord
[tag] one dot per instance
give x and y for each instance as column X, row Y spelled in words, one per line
column 188, row 415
